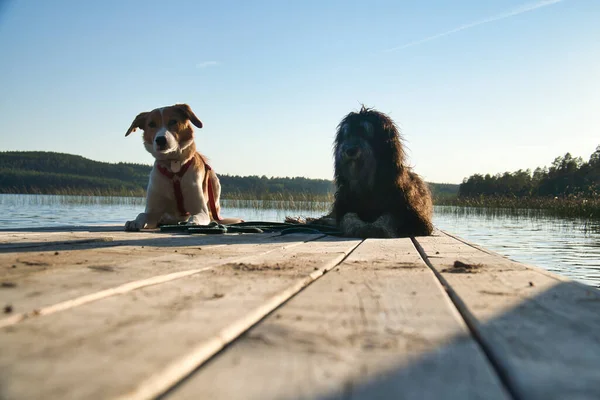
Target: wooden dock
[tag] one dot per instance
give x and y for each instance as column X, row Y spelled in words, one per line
column 97, row 313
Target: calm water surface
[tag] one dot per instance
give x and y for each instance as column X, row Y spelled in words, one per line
column 570, row 247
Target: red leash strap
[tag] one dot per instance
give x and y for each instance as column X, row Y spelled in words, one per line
column 179, row 197
column 176, row 177
column 212, row 204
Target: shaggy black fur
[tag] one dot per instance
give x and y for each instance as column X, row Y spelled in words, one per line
column 377, row 195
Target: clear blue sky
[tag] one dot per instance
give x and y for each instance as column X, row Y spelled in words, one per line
column 477, row 86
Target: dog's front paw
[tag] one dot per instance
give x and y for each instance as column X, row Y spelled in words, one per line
column 351, row 224
column 133, row 226
column 143, row 221
column 198, row 219
column 351, row 219
column 384, row 227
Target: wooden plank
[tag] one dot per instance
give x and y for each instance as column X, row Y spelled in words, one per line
column 539, row 329
column 41, row 280
column 33, row 241
column 31, row 237
column 379, row 326
column 69, row 228
column 140, row 343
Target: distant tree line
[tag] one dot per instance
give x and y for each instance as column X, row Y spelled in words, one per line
column 256, row 187
column 59, row 173
column 567, row 176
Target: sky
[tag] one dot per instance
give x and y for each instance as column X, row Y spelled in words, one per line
column 476, row 86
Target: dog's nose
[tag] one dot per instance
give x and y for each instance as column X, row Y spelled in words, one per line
column 352, row 152
column 161, row 141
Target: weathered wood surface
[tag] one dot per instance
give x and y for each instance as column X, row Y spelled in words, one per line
column 541, row 330
column 125, row 344
column 378, row 327
column 100, row 313
column 46, row 278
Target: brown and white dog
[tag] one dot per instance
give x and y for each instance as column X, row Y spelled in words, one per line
column 182, row 186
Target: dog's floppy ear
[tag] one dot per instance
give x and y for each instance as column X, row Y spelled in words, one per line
column 187, row 111
column 138, row 122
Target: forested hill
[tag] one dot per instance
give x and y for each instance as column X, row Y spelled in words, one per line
column 59, row 173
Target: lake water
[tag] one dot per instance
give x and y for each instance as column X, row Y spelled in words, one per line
column 570, row 247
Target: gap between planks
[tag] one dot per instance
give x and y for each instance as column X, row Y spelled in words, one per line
column 470, row 321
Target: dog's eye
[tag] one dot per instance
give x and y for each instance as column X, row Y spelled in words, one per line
column 152, row 124
column 172, row 122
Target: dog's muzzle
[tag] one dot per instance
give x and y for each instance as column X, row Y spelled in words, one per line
column 161, row 142
column 351, row 153
column 164, row 142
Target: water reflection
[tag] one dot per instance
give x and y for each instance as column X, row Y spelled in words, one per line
column 570, row 247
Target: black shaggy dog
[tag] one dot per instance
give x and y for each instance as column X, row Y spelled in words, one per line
column 377, row 195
